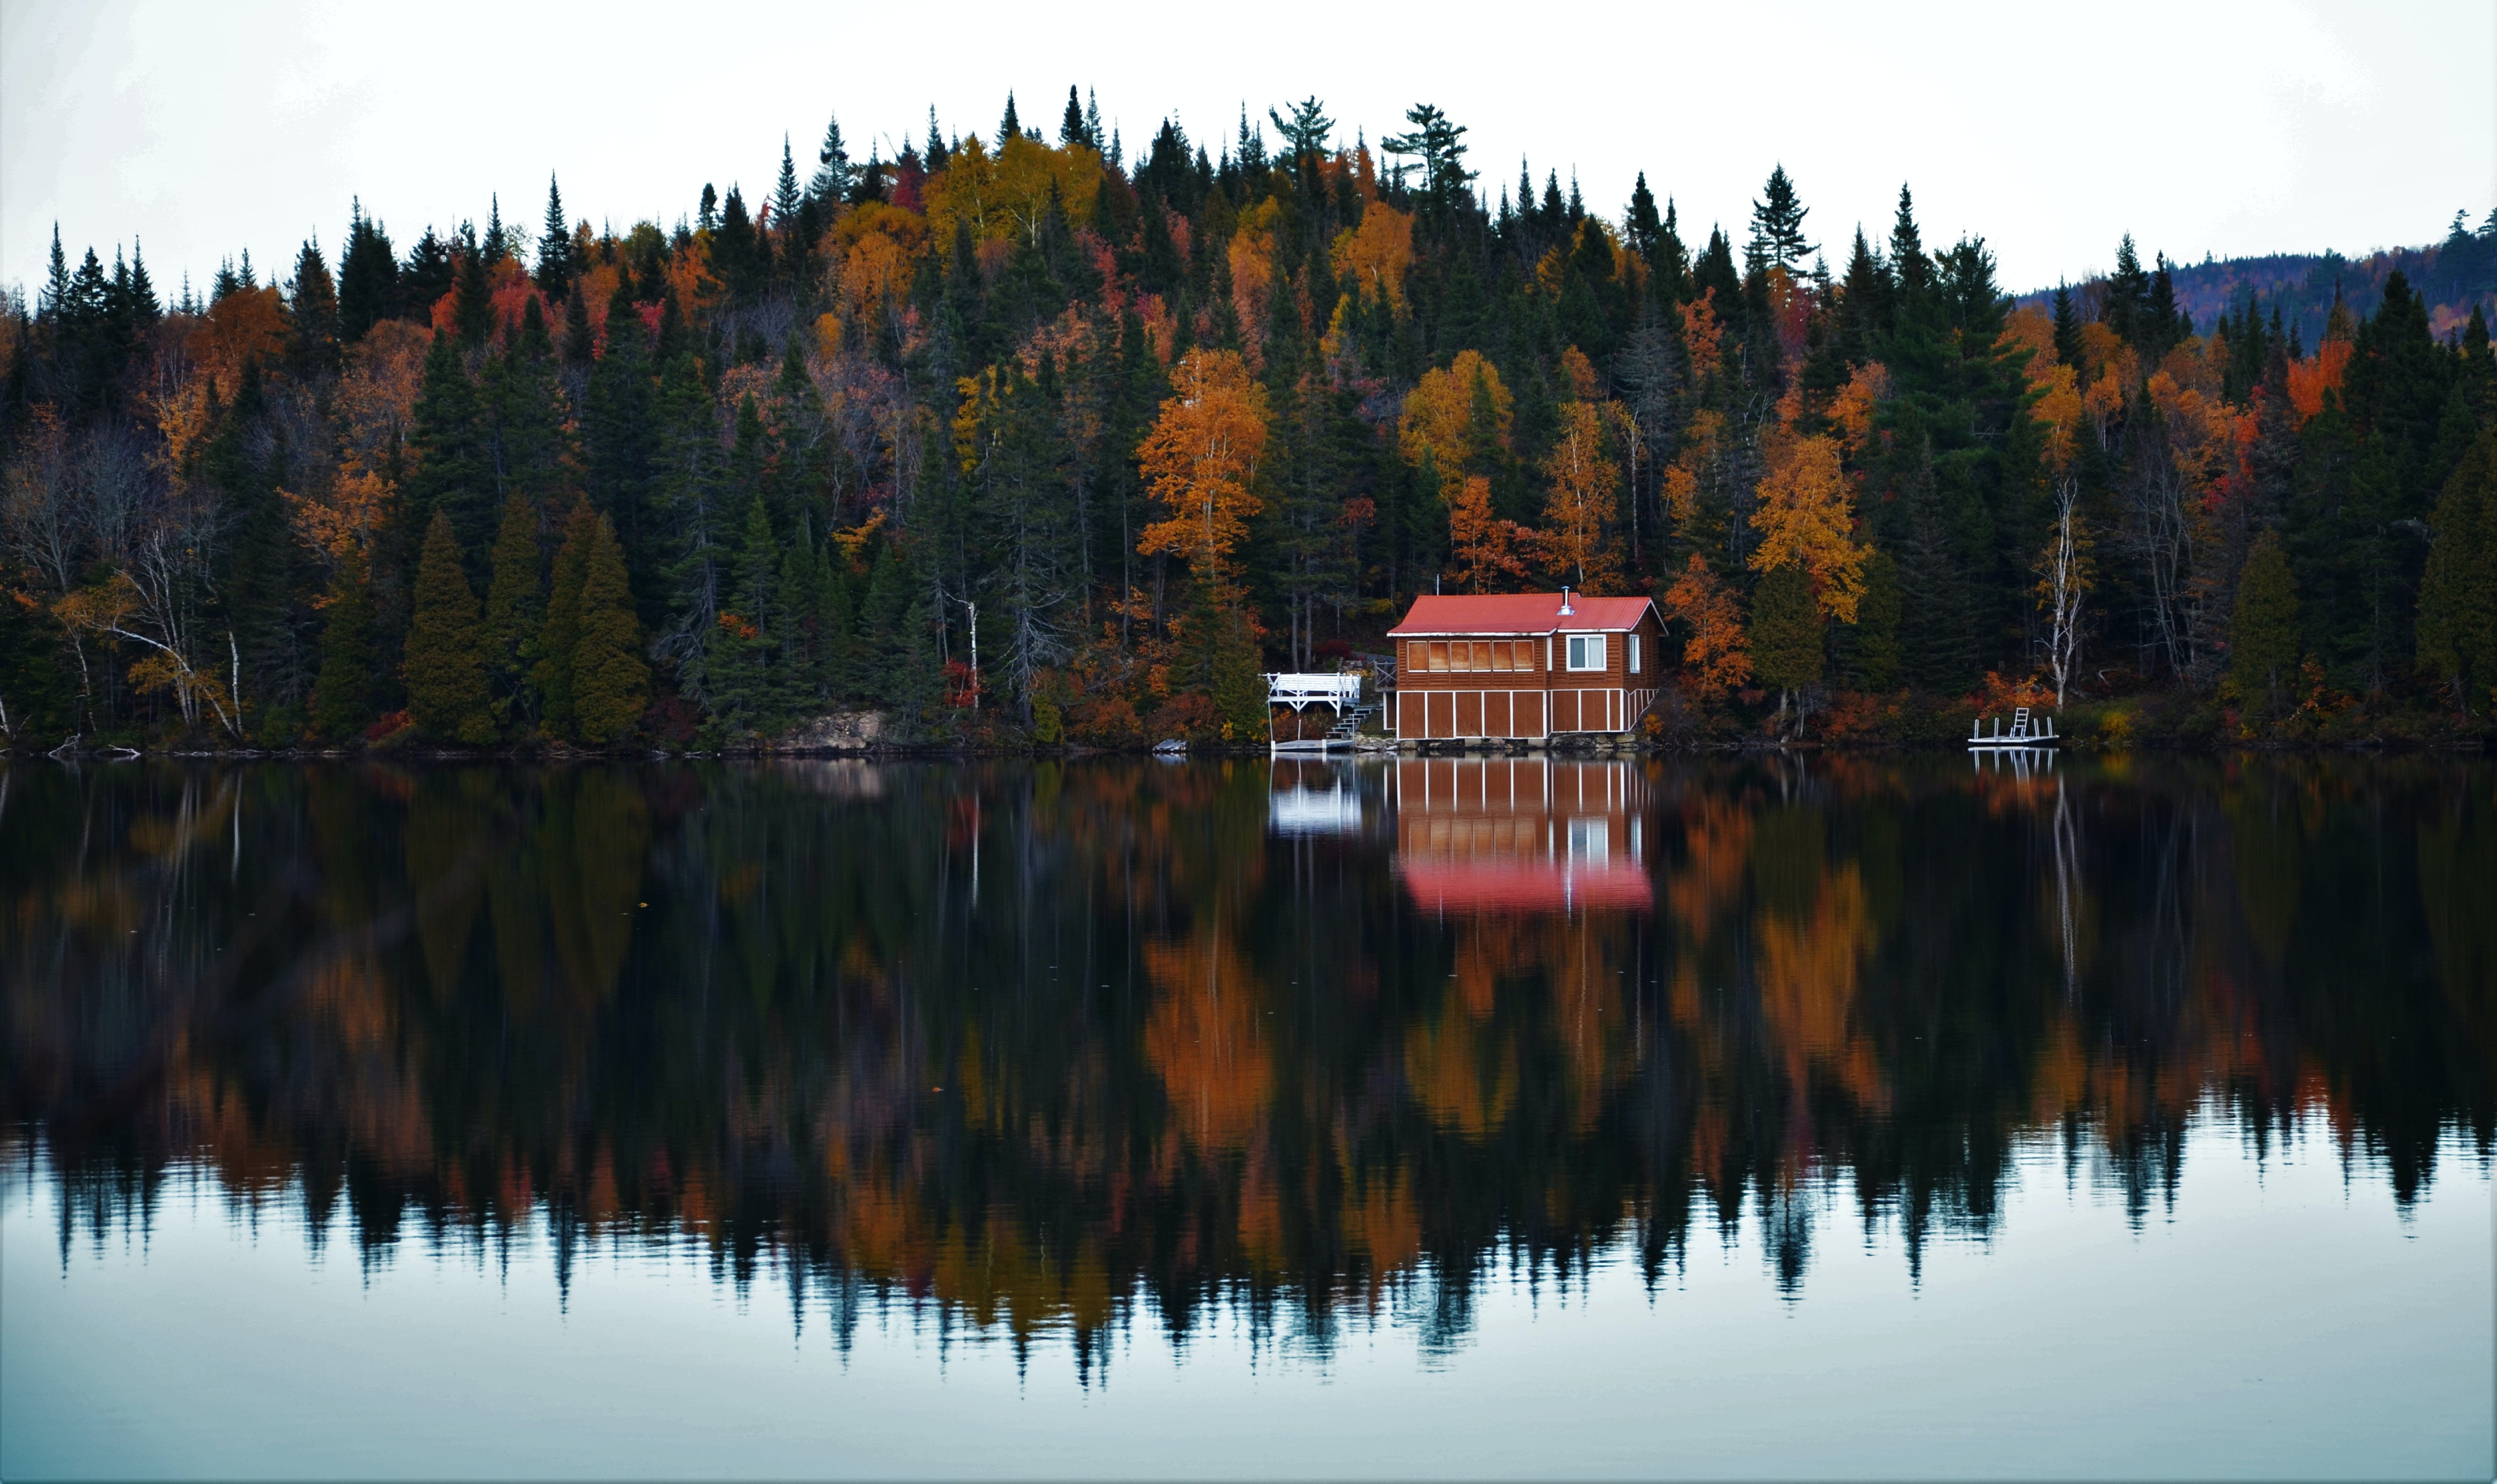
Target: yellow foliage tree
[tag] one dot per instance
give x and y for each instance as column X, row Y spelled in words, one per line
column 1377, row 252
column 1581, row 501
column 1806, row 518
column 1200, row 460
column 1007, row 195
column 1439, row 417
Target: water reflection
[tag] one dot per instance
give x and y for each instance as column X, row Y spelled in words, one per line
column 1055, row 1048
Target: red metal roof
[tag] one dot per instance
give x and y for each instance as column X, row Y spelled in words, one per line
column 1518, row 613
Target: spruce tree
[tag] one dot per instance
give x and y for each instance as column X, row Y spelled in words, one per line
column 367, row 278
column 611, row 681
column 2457, row 609
column 446, row 668
column 1776, row 226
column 1786, row 631
column 449, row 445
column 740, row 674
column 313, row 306
column 342, row 698
column 514, row 605
column 559, row 636
column 2264, row 630
column 554, row 247
column 472, row 313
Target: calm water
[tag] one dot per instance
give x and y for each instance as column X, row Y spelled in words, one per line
column 1775, row 1119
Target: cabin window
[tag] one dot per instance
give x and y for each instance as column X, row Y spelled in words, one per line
column 1590, row 839
column 1482, row 654
column 1461, row 655
column 1417, row 655
column 1586, row 652
column 1439, row 655
column 1630, row 654
column 1499, row 654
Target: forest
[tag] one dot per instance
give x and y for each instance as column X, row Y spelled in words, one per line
column 1036, row 437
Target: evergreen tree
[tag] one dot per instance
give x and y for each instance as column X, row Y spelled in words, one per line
column 472, row 312
column 742, row 673
column 343, row 703
column 2457, row 609
column 429, row 273
column 451, row 451
column 446, row 670
column 558, row 635
column 611, row 681
column 830, row 185
column 1777, row 227
column 556, row 264
column 367, row 278
column 515, row 606
column 313, row 306
column 2264, row 630
column 1786, row 632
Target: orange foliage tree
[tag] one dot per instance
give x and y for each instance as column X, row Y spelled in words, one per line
column 1200, row 462
column 245, row 326
column 1487, row 551
column 1716, row 656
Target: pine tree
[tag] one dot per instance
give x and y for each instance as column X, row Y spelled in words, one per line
column 2264, row 630
column 445, row 670
column 342, row 698
column 611, row 681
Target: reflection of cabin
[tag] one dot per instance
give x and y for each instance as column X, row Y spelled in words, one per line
column 1524, row 665
column 1521, row 834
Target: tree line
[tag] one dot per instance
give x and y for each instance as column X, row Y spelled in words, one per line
column 1027, row 434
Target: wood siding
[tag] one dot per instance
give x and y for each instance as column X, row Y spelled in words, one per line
column 1520, row 686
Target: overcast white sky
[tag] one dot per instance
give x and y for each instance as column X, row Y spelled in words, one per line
column 207, row 128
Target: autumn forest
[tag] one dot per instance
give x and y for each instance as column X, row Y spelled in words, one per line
column 1042, row 436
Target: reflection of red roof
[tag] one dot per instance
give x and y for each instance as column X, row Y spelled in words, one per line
column 1524, row 886
column 1519, row 612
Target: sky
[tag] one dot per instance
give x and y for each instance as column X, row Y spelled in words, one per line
column 203, row 130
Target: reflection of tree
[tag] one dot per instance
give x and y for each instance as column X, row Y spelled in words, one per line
column 1046, row 1048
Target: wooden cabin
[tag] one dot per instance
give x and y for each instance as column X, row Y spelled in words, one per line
column 1521, row 834
column 1527, row 665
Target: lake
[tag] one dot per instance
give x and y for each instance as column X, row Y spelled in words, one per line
column 1776, row 1117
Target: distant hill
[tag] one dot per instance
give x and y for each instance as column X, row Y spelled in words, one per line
column 2453, row 275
